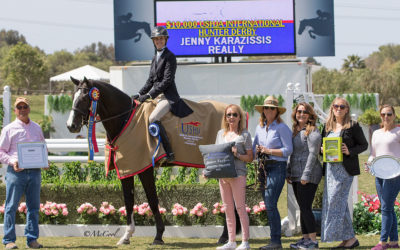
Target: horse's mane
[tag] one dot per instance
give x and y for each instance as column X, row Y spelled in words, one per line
column 111, row 91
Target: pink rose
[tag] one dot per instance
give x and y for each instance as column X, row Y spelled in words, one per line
column 65, row 212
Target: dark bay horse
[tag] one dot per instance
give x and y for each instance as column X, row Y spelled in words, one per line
column 116, row 105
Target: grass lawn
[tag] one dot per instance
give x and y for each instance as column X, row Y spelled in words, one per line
column 367, row 242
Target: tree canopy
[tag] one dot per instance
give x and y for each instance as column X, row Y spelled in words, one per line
column 378, row 73
column 26, row 68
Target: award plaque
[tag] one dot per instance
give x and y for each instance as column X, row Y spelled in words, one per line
column 32, row 155
column 332, row 149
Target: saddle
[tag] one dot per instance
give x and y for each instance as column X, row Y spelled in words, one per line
column 131, row 153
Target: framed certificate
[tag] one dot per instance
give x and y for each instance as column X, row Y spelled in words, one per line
column 332, row 149
column 32, row 155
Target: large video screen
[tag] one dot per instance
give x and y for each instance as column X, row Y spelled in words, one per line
column 236, row 27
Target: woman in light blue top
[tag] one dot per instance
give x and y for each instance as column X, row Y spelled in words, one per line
column 273, row 138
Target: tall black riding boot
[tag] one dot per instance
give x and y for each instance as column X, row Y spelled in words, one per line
column 165, row 142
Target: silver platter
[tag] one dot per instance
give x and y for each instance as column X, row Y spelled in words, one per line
column 385, row 167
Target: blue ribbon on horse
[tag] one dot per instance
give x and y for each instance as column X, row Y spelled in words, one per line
column 154, row 130
column 94, row 95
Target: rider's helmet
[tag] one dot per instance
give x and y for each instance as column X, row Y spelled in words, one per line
column 159, row 31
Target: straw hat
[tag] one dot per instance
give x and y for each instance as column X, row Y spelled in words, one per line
column 21, row 99
column 270, row 101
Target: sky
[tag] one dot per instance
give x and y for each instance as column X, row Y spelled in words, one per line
column 361, row 26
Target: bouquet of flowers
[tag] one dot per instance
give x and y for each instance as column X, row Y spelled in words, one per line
column 219, row 212
column 2, row 208
column 53, row 213
column 179, row 214
column 199, row 213
column 260, row 212
column 107, row 214
column 87, row 214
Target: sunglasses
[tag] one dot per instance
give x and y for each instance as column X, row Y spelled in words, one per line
column 339, row 106
column 303, row 112
column 22, row 107
column 386, row 114
column 232, row 115
column 271, row 108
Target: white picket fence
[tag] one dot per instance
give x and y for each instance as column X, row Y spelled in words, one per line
column 63, row 146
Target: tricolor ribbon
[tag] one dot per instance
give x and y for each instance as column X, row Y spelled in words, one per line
column 94, row 95
column 154, row 130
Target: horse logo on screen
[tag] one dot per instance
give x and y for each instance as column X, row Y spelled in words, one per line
column 321, row 25
column 126, row 28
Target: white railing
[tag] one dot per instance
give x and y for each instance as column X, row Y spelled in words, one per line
column 73, row 145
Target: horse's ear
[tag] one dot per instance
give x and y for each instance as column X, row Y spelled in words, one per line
column 75, row 81
column 88, row 82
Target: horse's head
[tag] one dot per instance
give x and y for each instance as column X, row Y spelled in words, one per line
column 80, row 106
column 302, row 26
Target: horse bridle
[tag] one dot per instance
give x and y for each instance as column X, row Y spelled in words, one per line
column 85, row 115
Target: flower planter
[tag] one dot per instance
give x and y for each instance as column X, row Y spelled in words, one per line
column 80, row 230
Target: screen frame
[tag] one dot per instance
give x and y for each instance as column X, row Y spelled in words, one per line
column 230, row 55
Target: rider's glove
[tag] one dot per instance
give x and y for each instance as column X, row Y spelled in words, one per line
column 135, row 97
column 143, row 98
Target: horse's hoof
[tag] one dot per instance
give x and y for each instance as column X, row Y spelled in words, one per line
column 158, row 242
column 123, row 242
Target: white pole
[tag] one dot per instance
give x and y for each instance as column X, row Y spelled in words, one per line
column 6, row 105
column 293, row 208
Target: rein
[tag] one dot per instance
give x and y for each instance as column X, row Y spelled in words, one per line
column 116, row 116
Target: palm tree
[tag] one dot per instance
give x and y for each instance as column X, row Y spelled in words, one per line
column 353, row 62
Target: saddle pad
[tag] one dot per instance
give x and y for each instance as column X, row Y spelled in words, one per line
column 132, row 151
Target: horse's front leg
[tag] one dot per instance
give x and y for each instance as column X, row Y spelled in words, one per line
column 139, row 36
column 148, row 182
column 128, row 189
column 311, row 33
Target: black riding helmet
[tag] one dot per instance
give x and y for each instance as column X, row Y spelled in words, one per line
column 159, row 31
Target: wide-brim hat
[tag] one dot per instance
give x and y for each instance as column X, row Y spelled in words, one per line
column 21, row 99
column 270, row 101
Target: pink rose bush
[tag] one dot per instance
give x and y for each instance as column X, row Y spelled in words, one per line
column 219, row 213
column 2, row 208
column 22, row 210
column 53, row 213
column 260, row 212
column 87, row 214
column 107, row 214
column 199, row 213
column 179, row 214
column 142, row 214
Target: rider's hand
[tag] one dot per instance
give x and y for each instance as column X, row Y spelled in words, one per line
column 135, row 97
column 366, row 166
column 143, row 98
